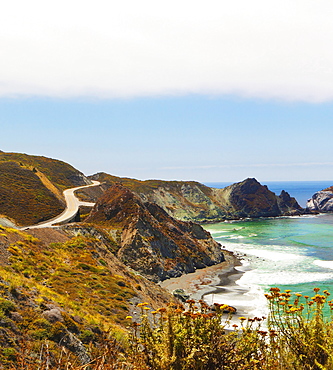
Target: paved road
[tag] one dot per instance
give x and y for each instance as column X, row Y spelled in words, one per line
column 72, row 207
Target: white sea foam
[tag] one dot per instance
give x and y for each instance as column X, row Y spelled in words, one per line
column 235, row 237
column 249, row 300
column 213, row 232
column 278, row 261
column 325, row 264
column 270, row 254
column 282, row 277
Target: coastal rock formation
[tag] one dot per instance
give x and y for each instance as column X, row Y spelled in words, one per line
column 288, row 205
column 321, row 201
column 251, row 199
column 192, row 201
column 150, row 241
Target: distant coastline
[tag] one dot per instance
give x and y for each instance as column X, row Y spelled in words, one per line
column 301, row 190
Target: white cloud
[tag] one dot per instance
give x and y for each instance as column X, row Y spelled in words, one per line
column 260, row 48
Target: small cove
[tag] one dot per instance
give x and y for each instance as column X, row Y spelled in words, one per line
column 289, row 252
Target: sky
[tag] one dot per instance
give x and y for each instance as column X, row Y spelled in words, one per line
column 212, row 91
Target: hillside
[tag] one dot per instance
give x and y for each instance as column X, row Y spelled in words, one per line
column 31, row 187
column 68, row 289
column 192, row 201
column 150, row 241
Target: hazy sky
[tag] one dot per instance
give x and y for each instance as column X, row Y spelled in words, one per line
column 209, row 91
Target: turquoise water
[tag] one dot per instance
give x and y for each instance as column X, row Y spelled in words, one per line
column 292, row 253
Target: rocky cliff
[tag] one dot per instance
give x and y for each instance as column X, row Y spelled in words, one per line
column 150, row 241
column 321, row 201
column 192, row 201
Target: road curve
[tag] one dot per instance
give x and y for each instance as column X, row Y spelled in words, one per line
column 72, row 207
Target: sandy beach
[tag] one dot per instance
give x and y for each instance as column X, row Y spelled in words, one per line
column 219, row 284
column 207, row 280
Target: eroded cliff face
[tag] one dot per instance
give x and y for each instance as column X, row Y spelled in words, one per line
column 321, row 201
column 150, row 241
column 192, row 201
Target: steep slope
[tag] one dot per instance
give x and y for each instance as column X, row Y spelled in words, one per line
column 192, row 201
column 150, row 241
column 67, row 289
column 31, row 186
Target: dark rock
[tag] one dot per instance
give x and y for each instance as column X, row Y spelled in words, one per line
column 289, row 205
column 181, row 295
column 192, row 201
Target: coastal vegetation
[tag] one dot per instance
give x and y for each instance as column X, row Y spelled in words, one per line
column 295, row 336
column 71, row 304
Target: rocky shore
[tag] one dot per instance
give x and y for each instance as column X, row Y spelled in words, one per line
column 218, row 284
column 206, row 280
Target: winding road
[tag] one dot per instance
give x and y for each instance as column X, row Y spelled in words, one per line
column 72, row 207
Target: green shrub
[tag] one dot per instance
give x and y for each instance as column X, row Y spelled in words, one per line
column 9, row 354
column 6, row 306
column 87, row 336
column 296, row 336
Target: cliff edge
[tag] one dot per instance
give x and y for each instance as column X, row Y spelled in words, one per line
column 149, row 240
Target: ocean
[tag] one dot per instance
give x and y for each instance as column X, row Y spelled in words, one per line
column 288, row 252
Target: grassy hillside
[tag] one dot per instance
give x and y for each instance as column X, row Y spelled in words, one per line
column 61, row 174
column 31, row 187
column 55, row 285
column 148, row 186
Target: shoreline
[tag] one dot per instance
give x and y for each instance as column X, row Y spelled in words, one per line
column 218, row 284
column 209, row 280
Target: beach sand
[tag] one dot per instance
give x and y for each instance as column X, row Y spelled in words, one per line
column 218, row 284
column 206, row 280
